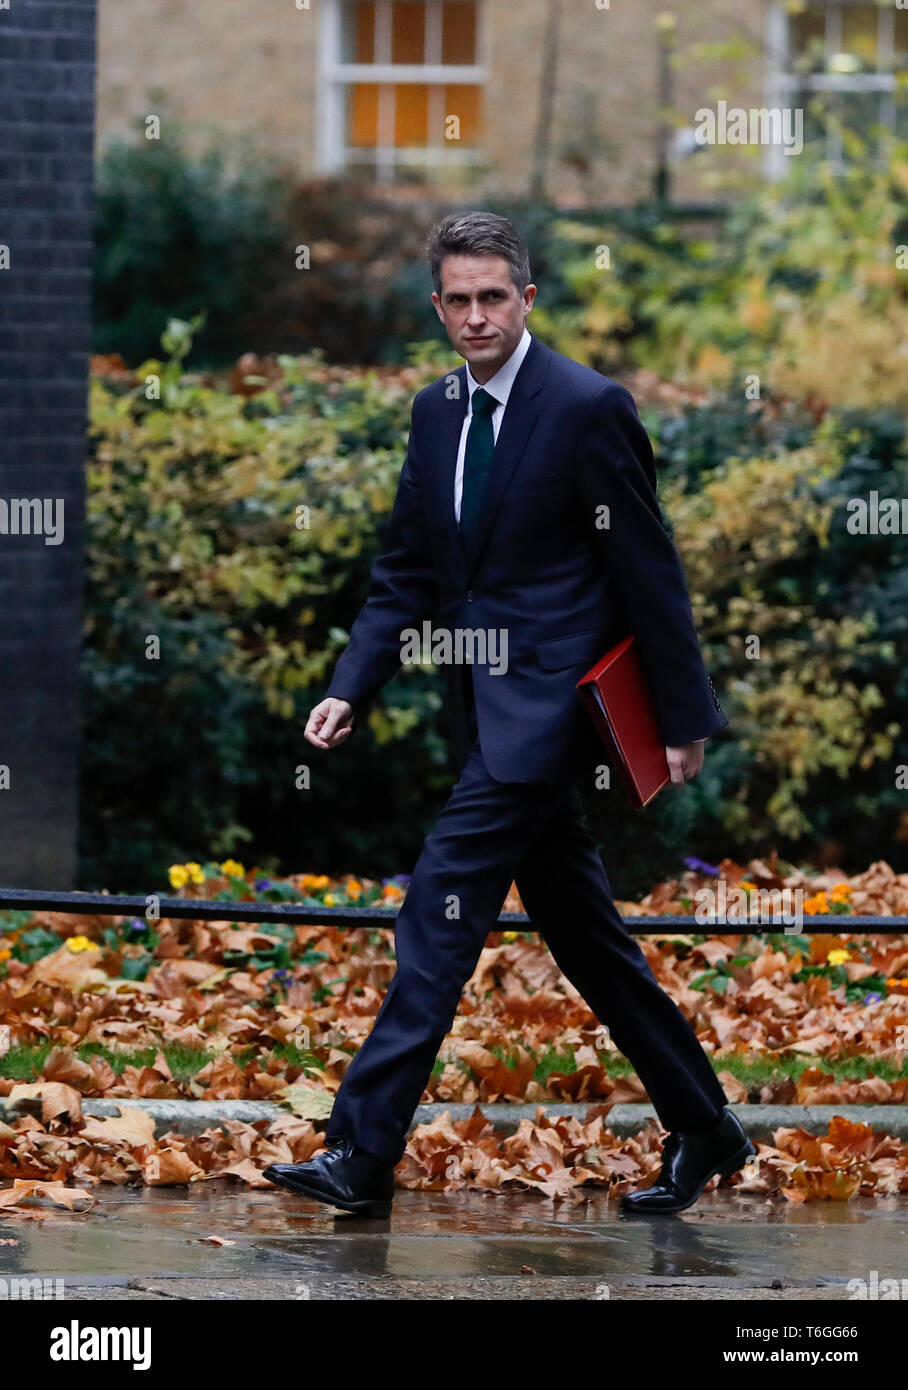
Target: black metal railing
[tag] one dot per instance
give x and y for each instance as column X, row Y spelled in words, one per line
column 299, row 914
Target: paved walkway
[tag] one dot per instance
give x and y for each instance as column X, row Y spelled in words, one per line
column 149, row 1244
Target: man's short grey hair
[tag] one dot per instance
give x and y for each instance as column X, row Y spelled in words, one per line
column 478, row 234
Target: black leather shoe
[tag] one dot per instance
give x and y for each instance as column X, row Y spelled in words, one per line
column 343, row 1176
column 688, row 1162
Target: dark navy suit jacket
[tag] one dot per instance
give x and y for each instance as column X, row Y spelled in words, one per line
column 564, row 588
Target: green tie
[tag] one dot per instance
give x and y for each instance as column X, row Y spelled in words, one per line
column 477, row 457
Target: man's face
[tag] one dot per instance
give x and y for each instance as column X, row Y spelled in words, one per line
column 482, row 309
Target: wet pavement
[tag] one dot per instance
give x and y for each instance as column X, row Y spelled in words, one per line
column 150, row 1244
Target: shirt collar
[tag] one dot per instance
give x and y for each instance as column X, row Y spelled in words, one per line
column 500, row 384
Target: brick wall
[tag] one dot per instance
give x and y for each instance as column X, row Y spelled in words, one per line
column 47, row 76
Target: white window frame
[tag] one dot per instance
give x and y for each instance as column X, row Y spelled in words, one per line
column 784, row 87
column 333, row 155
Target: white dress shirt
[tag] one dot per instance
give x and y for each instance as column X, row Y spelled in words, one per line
column 498, row 386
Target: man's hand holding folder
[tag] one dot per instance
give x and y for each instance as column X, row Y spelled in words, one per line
column 617, row 697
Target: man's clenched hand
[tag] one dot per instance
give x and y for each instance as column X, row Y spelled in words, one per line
column 686, row 762
column 330, row 722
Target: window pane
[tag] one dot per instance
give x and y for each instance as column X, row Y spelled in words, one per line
column 408, row 31
column 901, row 118
column 807, row 32
column 465, row 102
column 359, row 31
column 411, row 113
column 860, row 113
column 363, row 113
column 900, row 41
column 458, row 31
column 814, row 106
column 859, row 33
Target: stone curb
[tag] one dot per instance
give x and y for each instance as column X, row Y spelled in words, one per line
column 191, row 1117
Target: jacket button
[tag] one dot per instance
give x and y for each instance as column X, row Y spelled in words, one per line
column 471, row 596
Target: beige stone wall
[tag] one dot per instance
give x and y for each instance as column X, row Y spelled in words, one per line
column 606, row 108
column 241, row 66
column 250, row 66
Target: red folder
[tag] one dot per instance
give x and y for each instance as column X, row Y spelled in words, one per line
column 618, row 699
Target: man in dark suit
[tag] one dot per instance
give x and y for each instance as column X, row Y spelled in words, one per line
column 525, row 525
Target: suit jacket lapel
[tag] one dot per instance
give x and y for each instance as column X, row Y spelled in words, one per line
column 516, row 427
column 448, row 423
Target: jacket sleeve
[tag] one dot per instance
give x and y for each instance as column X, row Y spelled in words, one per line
column 403, row 591
column 616, row 468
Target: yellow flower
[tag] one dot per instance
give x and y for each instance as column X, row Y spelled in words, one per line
column 353, row 888
column 328, row 900
column 817, row 904
column 177, row 875
column 195, row 872
column 746, row 883
column 79, row 943
column 509, row 936
column 840, row 892
column 232, row 869
column 5, row 955
column 838, row 956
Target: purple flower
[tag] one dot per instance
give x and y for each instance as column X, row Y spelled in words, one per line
column 138, row 925
column 261, row 883
column 872, row 998
column 281, row 975
column 699, row 866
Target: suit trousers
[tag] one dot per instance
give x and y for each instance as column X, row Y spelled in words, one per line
column 488, row 835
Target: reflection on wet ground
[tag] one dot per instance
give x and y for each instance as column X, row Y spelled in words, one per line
column 151, row 1242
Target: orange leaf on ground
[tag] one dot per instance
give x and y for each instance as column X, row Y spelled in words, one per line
column 25, row 1190
column 55, row 1097
column 169, row 1168
column 247, row 1171
column 132, row 1126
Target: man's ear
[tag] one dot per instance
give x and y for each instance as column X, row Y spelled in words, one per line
column 437, row 302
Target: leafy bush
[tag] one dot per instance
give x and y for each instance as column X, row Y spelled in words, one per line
column 217, row 233
column 193, row 533
column 804, row 630
column 193, row 540
column 177, row 234
column 214, row 615
column 805, row 265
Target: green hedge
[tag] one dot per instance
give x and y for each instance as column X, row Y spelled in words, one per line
column 771, row 290
column 193, row 539
column 193, row 497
